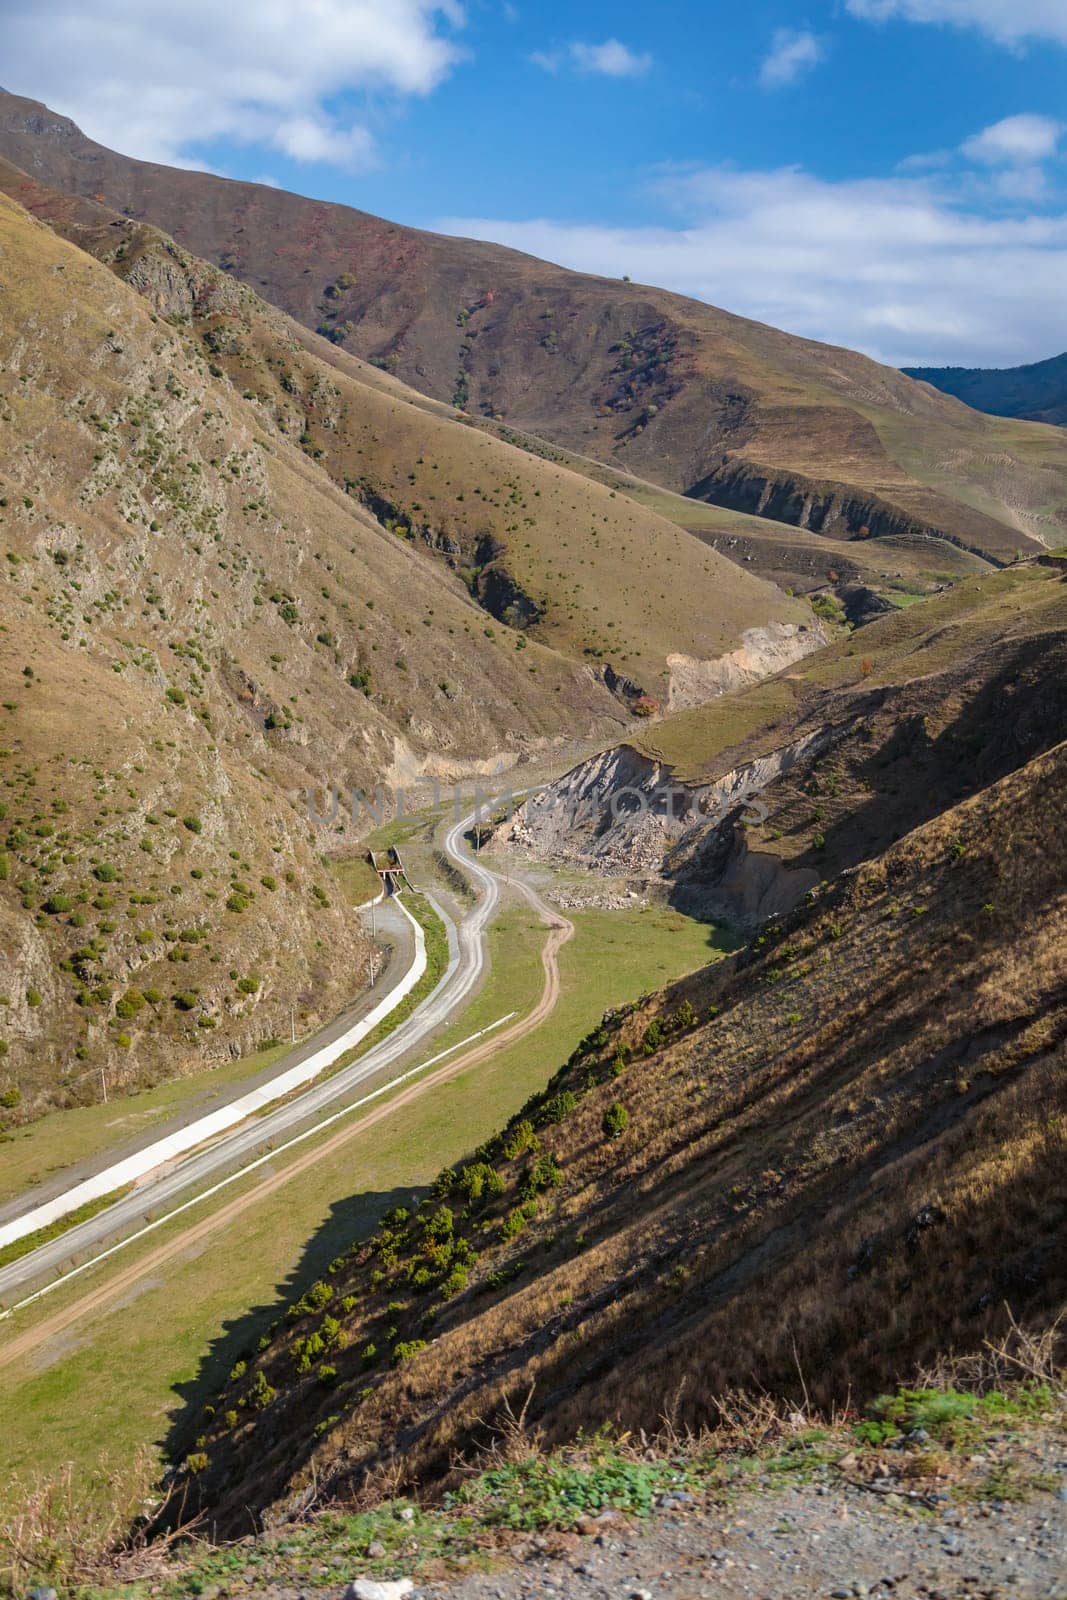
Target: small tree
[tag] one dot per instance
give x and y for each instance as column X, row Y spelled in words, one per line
column 616, row 1120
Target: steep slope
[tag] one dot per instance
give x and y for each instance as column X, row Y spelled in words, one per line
column 542, row 548
column 198, row 625
column 700, row 401
column 1037, row 393
column 810, row 1168
column 747, row 803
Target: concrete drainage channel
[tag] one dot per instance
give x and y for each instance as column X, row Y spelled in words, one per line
column 143, row 1205
column 163, row 1151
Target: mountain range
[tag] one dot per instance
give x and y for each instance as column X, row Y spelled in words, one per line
column 1037, row 392
column 292, row 496
column 704, row 403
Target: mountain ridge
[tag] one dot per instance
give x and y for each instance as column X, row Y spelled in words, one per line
column 1035, row 391
column 700, row 400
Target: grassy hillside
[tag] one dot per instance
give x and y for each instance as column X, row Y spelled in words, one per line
column 198, row 624
column 953, row 630
column 840, row 1152
column 668, row 388
column 540, row 547
column 1037, row 392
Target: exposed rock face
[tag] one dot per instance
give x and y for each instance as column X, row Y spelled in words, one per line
column 762, row 652
column 621, row 813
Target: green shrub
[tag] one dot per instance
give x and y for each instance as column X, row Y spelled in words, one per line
column 193, row 824
column 557, row 1108
column 407, row 1348
column 513, row 1224
column 261, row 1394
column 522, row 1137
column 131, row 1003
column 33, row 997
column 480, row 1179
column 57, row 903
column 616, row 1120
column 317, row 1298
column 249, row 985
column 546, row 1173
column 186, row 999
column 440, row 1226
column 684, row 1017
column 455, row 1283
column 653, row 1036
column 11, row 1097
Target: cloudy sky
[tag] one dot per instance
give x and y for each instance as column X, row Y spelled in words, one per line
column 886, row 174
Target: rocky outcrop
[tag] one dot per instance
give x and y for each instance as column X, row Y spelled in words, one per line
column 622, row 814
column 821, row 507
column 762, row 651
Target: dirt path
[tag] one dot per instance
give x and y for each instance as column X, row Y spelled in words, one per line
column 120, row 1283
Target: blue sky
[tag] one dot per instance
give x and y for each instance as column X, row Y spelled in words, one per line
column 887, row 174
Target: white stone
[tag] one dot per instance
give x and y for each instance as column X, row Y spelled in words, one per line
column 369, row 1589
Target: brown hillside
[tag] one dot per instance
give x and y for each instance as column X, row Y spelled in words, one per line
column 677, row 391
column 839, row 754
column 196, row 625
column 842, row 1155
column 541, row 548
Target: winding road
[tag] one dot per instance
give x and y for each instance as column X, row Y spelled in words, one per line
column 235, row 1153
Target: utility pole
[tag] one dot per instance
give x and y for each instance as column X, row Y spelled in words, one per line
column 103, row 1083
column 292, row 1022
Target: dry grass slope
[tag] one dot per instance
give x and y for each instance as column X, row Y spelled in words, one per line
column 668, row 388
column 825, row 1162
column 198, row 624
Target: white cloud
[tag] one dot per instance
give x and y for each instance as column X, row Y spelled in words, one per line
column 898, row 267
column 612, row 59
column 1007, row 21
column 1016, row 141
column 791, row 55
column 154, row 81
column 313, row 139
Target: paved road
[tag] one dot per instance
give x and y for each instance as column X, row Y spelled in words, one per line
column 397, row 931
column 196, row 1132
column 106, row 1289
column 466, row 964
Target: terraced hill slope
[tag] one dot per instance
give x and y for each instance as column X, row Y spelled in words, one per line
column 813, row 1167
column 698, row 400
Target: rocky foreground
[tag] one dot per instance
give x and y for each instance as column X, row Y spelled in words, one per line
column 935, row 1494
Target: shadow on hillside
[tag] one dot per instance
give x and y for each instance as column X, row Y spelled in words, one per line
column 1016, row 715
column 350, row 1220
